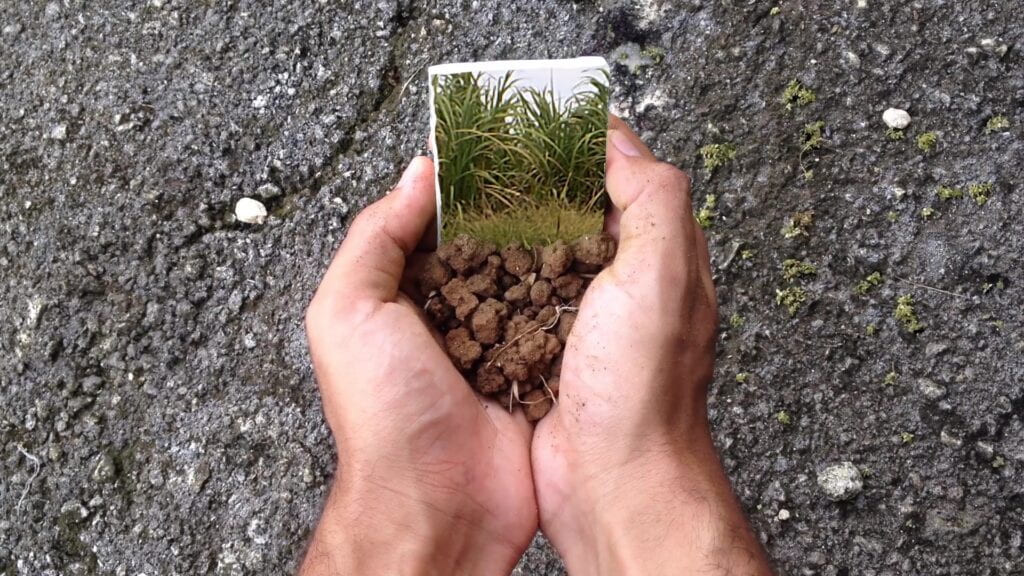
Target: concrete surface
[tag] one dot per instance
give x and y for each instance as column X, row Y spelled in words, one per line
column 157, row 410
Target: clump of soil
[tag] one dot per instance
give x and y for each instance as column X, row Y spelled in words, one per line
column 506, row 315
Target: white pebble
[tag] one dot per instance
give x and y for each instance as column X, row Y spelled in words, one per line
column 896, row 119
column 841, row 481
column 250, row 211
column 783, row 514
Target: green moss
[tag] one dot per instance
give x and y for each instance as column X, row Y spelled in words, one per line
column 656, row 54
column 775, row 11
column 997, row 123
column 784, row 418
column 796, row 94
column 998, row 462
column 799, row 224
column 812, row 137
column 906, row 437
column 706, row 215
column 873, row 280
column 906, row 315
column 717, row 155
column 927, row 141
column 871, row 330
column 927, row 212
column 949, row 193
column 736, row 320
column 980, row 192
column 747, row 254
column 793, row 269
column 890, row 379
column 892, row 216
column 742, row 377
column 791, row 299
column 894, row 134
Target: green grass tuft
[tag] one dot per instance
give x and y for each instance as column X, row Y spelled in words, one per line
column 949, row 193
column 503, row 149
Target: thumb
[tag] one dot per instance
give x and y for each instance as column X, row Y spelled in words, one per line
column 652, row 198
column 372, row 257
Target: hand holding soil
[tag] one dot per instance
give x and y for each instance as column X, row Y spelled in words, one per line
column 433, row 479
column 429, row 475
column 627, row 478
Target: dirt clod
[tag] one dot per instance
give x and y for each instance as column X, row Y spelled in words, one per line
column 536, row 404
column 488, row 321
column 506, row 316
column 464, row 253
column 555, row 260
column 593, row 252
column 464, row 351
column 540, row 293
column 518, row 260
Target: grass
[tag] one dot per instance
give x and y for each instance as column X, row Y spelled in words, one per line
column 508, row 152
column 533, row 224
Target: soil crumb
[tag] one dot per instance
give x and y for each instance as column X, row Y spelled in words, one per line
column 505, row 316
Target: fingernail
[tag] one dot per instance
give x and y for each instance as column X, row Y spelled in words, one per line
column 623, row 143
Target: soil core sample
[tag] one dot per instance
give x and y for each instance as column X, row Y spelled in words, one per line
column 505, row 315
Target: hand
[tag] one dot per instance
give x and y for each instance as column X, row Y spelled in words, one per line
column 627, row 477
column 431, row 479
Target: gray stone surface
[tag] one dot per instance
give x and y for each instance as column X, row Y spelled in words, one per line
column 157, row 410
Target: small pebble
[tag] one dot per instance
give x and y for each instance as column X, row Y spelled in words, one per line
column 841, row 481
column 250, row 211
column 783, row 514
column 896, row 119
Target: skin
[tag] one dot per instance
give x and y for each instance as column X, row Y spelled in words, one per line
column 622, row 474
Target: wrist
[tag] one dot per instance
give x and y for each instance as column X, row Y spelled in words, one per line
column 370, row 528
column 669, row 511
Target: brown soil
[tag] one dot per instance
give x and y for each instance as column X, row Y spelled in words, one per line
column 505, row 316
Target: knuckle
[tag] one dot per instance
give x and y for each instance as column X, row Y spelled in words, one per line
column 669, row 177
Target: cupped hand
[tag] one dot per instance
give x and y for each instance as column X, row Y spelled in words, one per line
column 626, row 474
column 431, row 479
